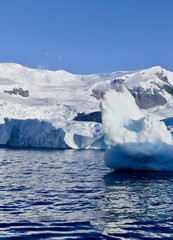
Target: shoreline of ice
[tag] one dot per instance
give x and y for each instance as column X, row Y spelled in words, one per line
column 47, row 134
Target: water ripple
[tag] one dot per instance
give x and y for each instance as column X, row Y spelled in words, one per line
column 71, row 195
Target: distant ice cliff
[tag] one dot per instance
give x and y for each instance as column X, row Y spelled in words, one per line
column 43, row 134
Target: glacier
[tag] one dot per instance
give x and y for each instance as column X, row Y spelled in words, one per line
column 58, row 109
column 44, row 134
column 135, row 141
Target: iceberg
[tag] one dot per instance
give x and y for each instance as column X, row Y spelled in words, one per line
column 134, row 141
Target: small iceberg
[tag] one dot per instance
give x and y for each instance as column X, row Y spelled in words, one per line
column 134, row 141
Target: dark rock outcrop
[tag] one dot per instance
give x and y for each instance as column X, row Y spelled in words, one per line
column 168, row 88
column 90, row 117
column 18, row 91
column 162, row 76
column 146, row 98
column 117, row 81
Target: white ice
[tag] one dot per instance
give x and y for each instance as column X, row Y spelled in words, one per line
column 134, row 141
column 44, row 134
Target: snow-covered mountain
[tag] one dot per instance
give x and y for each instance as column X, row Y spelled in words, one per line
column 52, row 94
column 57, row 98
column 152, row 89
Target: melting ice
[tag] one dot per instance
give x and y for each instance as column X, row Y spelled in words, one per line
column 134, row 141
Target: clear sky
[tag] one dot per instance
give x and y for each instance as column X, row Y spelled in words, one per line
column 87, row 36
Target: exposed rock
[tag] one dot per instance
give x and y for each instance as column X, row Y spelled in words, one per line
column 146, row 99
column 18, row 91
column 90, row 117
column 168, row 88
column 162, row 76
column 117, row 81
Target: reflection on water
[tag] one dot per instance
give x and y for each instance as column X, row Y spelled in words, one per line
column 48, row 194
column 138, row 205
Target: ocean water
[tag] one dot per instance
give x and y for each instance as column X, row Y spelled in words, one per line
column 49, row 194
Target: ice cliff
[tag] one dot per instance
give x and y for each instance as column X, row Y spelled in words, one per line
column 44, row 134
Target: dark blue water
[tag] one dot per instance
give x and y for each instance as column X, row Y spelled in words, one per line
column 72, row 195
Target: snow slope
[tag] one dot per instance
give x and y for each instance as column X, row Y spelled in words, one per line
column 52, row 93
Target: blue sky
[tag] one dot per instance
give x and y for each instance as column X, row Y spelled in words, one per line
column 87, row 36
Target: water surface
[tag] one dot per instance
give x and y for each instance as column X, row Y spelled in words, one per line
column 49, row 194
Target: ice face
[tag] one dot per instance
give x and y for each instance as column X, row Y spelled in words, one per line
column 50, row 134
column 134, row 141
